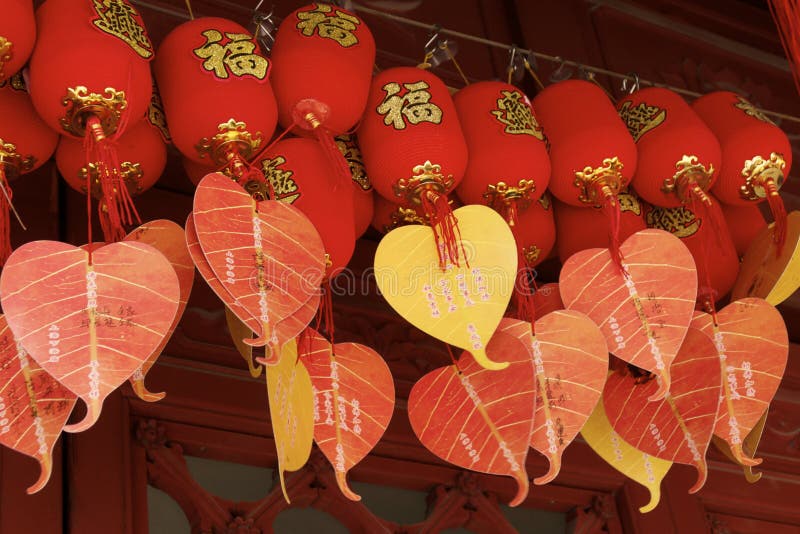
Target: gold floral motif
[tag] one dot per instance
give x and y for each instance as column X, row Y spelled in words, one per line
column 691, row 177
column 5, row 52
column 12, row 162
column 81, row 104
column 679, row 221
column 502, row 193
column 628, row 202
column 120, row 19
column 232, row 138
column 283, row 185
column 236, row 57
column 514, row 112
column 749, row 109
column 599, row 182
column 545, row 201
column 427, row 177
column 762, row 176
column 414, row 105
column 402, row 216
column 328, row 23
column 641, row 118
column 156, row 115
column 531, row 254
column 16, row 82
column 352, row 154
column 129, row 173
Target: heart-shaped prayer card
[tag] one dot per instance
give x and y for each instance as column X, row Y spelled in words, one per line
column 90, row 320
column 460, row 305
column 643, row 310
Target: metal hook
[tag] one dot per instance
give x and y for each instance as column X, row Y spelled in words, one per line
column 633, row 78
column 264, row 31
column 515, row 67
column 433, row 39
column 562, row 72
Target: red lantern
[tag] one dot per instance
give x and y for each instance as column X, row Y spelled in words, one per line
column 756, row 154
column 26, row 142
column 298, row 173
column 363, row 205
column 17, row 35
column 195, row 171
column 745, row 224
column 413, row 147
column 592, row 154
column 710, row 244
column 142, row 157
column 387, row 215
column 323, row 55
column 678, row 155
column 90, row 78
column 508, row 166
column 580, row 228
column 535, row 232
column 217, row 97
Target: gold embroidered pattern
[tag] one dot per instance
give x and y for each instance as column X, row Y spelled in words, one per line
column 235, row 57
column 749, row 109
column 642, row 118
column 352, row 154
column 120, row 19
column 284, row 187
column 5, row 52
column 678, row 221
column 628, row 202
column 328, row 23
column 514, row 112
column 156, row 115
column 413, row 105
column 16, row 82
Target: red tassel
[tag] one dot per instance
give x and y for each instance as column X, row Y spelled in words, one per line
column 5, row 219
column 445, row 229
column 786, row 14
column 523, row 294
column 311, row 114
column 613, row 214
column 115, row 208
column 779, row 214
column 511, row 212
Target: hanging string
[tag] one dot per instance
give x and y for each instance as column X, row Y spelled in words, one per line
column 452, row 58
column 533, row 74
column 189, row 9
column 452, row 357
column 90, row 242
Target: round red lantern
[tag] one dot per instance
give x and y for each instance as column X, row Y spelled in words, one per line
column 297, row 172
column 535, row 232
column 388, row 215
column 363, row 205
column 756, row 154
column 196, row 171
column 142, row 157
column 26, row 142
column 17, row 35
column 413, row 147
column 678, row 155
column 579, row 228
column 710, row 244
column 90, row 78
column 324, row 55
column 217, row 97
column 508, row 166
column 745, row 224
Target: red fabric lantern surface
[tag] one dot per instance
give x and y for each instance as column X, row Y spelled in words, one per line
column 388, row 215
column 756, row 154
column 535, row 232
column 363, row 204
column 508, row 166
column 17, row 35
column 298, row 173
column 413, row 147
column 141, row 152
column 26, row 142
column 325, row 54
column 591, row 152
column 710, row 244
column 580, row 228
column 196, row 171
column 678, row 155
column 744, row 223
column 217, row 97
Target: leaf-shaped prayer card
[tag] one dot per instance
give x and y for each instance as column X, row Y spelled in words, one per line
column 571, row 363
column 168, row 238
column 353, row 400
column 267, row 254
column 462, row 305
column 291, row 411
column 286, row 330
column 240, row 331
column 639, row 466
column 90, row 324
column 767, row 274
column 752, row 346
column 34, row 406
column 678, row 427
column 476, row 418
column 749, row 447
column 644, row 312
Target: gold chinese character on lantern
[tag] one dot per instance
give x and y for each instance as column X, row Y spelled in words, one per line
column 628, row 202
column 514, row 112
column 642, row 118
column 283, row 186
column 751, row 110
column 678, row 221
column 413, row 105
column 328, row 23
column 120, row 19
column 349, row 149
column 235, row 57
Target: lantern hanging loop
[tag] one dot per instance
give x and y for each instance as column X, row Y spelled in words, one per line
column 264, row 28
column 633, row 80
